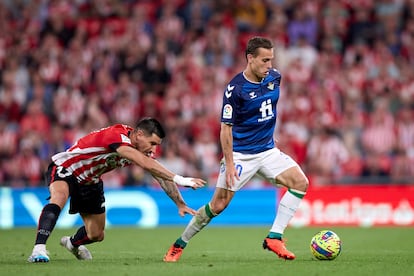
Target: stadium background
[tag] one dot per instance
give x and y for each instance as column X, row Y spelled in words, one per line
column 346, row 112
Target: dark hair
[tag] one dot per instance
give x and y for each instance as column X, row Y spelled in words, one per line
column 150, row 126
column 255, row 43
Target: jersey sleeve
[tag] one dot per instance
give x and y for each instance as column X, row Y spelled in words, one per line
column 119, row 136
column 110, row 138
column 277, row 76
column 229, row 106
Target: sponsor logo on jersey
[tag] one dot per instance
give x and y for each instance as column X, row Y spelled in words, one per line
column 266, row 111
column 252, row 95
column 229, row 91
column 227, row 111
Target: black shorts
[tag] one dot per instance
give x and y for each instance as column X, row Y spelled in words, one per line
column 88, row 199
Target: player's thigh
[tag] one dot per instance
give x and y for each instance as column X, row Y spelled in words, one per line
column 281, row 169
column 58, row 180
column 59, row 193
column 293, row 178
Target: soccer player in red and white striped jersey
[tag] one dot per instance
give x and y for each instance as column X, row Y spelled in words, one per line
column 76, row 173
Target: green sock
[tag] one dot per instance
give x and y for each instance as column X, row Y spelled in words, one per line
column 180, row 242
column 209, row 212
column 298, row 194
column 273, row 235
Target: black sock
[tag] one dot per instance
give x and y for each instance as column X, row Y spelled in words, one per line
column 81, row 237
column 47, row 222
column 274, row 235
column 180, row 243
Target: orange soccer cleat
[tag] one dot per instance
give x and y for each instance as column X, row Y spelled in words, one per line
column 278, row 247
column 173, row 254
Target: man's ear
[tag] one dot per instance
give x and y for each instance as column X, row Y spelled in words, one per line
column 140, row 132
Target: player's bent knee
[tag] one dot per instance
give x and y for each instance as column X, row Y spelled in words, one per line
column 298, row 182
column 301, row 184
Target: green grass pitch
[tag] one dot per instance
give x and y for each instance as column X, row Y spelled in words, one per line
column 215, row 251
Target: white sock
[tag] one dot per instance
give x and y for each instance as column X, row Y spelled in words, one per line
column 197, row 223
column 288, row 205
column 39, row 247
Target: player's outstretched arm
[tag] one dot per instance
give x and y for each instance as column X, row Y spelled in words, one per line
column 157, row 169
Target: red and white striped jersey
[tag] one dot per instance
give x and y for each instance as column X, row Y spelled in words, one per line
column 95, row 154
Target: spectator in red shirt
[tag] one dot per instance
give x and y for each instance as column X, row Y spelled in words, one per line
column 35, row 119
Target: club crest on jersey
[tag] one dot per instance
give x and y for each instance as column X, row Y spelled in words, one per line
column 227, row 111
column 270, row 86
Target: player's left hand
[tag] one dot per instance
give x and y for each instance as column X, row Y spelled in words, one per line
column 182, row 210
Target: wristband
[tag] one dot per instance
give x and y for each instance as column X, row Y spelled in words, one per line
column 183, row 181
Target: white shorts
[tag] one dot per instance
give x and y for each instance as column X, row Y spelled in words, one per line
column 268, row 164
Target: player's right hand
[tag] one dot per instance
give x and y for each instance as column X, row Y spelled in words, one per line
column 198, row 183
column 231, row 176
column 191, row 182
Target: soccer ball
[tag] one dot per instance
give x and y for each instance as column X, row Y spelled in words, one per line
column 325, row 245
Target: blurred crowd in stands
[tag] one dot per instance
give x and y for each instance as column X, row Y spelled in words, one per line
column 346, row 111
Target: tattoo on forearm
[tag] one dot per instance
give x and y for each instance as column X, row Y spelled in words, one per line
column 159, row 175
column 171, row 190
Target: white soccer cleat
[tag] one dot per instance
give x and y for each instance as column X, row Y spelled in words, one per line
column 81, row 252
column 39, row 256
